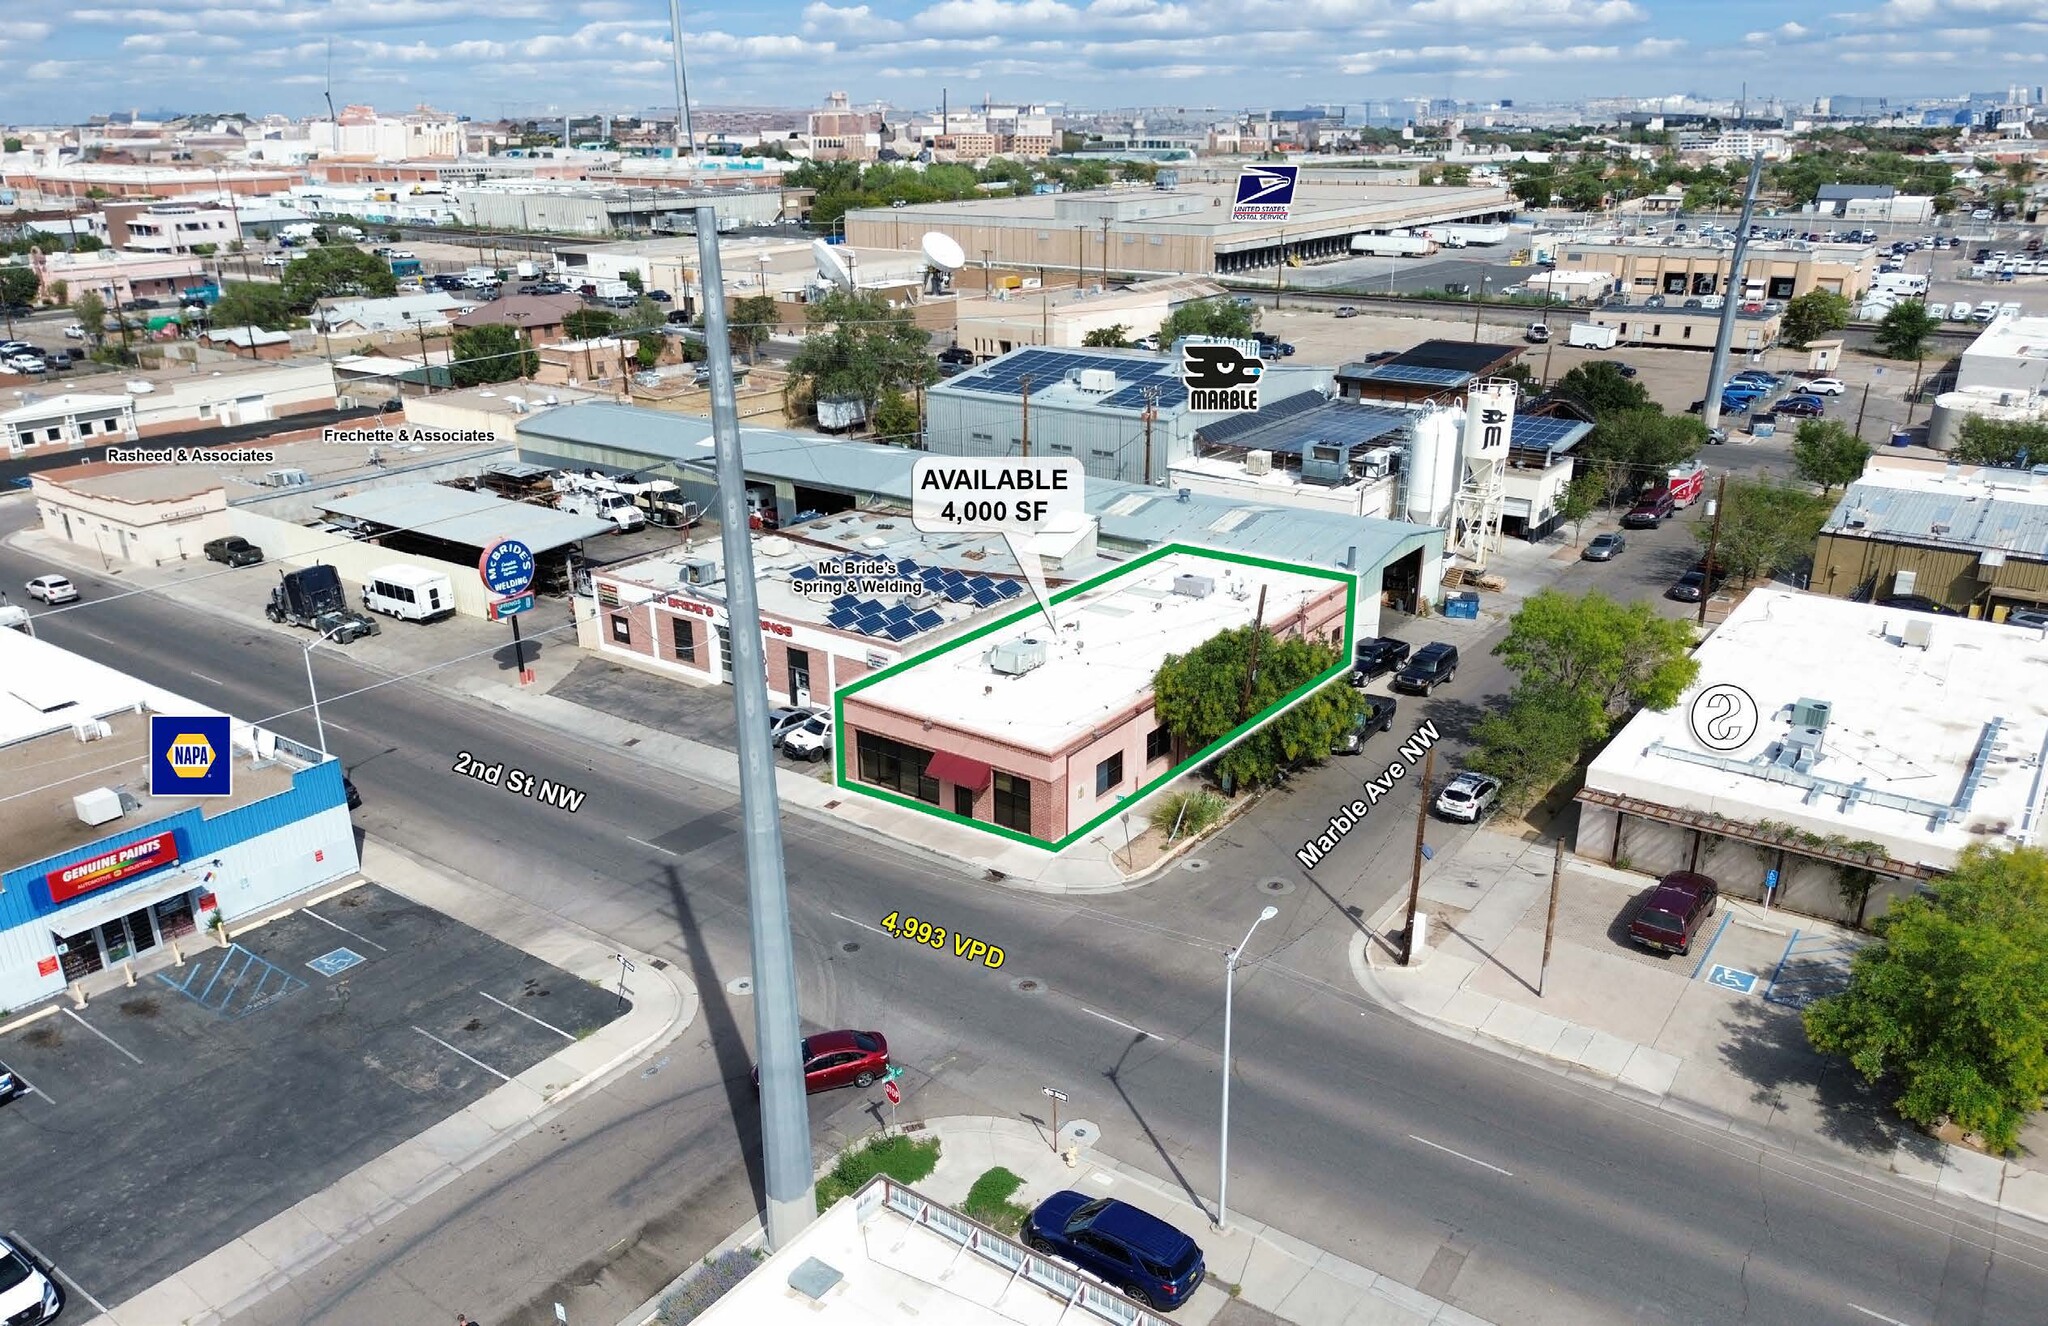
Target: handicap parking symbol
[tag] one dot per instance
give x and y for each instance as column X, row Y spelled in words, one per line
column 1731, row 978
column 341, row 959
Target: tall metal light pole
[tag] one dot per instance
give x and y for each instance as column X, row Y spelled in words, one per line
column 688, row 144
column 1229, row 982
column 785, row 1117
column 319, row 728
column 1731, row 298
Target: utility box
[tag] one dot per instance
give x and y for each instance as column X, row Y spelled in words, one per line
column 1194, row 587
column 99, row 806
column 1017, row 657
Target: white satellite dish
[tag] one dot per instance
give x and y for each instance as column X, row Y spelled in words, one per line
column 943, row 251
column 830, row 265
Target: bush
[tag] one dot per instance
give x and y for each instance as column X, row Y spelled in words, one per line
column 989, row 1201
column 901, row 1158
column 718, row 1275
column 1203, row 808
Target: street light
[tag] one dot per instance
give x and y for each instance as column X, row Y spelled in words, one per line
column 1229, row 981
column 319, row 728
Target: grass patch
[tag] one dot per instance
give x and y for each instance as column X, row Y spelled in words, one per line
column 1190, row 812
column 712, row 1281
column 901, row 1158
column 989, row 1201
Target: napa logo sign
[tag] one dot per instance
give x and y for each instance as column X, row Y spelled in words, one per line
column 188, row 757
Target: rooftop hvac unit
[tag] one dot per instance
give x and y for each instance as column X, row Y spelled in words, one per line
column 1096, row 379
column 1811, row 713
column 1193, row 586
column 285, row 478
column 1017, row 657
column 1327, row 463
column 91, row 729
column 701, row 571
column 1919, row 633
column 1258, row 462
column 99, row 806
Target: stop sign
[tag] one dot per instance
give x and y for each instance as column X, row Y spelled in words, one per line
column 894, row 1093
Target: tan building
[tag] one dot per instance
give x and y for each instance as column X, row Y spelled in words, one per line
column 840, row 133
column 144, row 514
column 1684, row 328
column 162, row 228
column 1970, row 537
column 73, row 419
column 1770, row 271
column 991, row 326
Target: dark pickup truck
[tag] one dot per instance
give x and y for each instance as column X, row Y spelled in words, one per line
column 234, row 551
column 1376, row 656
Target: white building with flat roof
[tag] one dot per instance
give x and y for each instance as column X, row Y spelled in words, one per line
column 2010, row 356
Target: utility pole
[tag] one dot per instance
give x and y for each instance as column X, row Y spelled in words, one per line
column 1280, row 272
column 687, row 144
column 1415, row 880
column 1731, row 299
column 1105, row 253
column 1251, row 669
column 1713, row 545
column 1478, row 306
column 1863, row 405
column 1550, row 923
column 1025, row 384
column 1151, row 412
column 785, row 1117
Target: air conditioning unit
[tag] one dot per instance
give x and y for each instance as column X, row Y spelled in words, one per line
column 700, row 571
column 285, row 478
column 1017, row 657
column 1097, row 379
column 1258, row 462
column 1327, row 463
column 1902, row 582
column 1194, row 587
column 99, row 806
column 1811, row 713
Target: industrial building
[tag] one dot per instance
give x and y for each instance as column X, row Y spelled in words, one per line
column 2002, row 375
column 1427, row 371
column 1007, row 319
column 1670, row 328
column 605, row 208
column 1680, row 269
column 1885, row 742
column 1185, row 230
column 1971, row 538
column 100, row 867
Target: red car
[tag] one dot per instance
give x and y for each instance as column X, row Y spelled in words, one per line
column 1673, row 913
column 841, row 1059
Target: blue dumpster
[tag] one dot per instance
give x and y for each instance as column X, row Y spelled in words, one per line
column 1902, row 439
column 1464, row 605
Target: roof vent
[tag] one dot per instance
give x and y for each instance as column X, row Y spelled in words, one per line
column 814, row 1279
column 1184, row 495
column 1193, row 586
column 1918, row 633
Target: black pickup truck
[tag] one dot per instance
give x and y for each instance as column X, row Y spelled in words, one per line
column 1376, row 656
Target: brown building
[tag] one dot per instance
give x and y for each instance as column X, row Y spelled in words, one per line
column 540, row 317
column 1428, row 371
column 1970, row 537
column 840, row 133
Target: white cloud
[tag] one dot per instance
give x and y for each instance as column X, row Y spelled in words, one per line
column 1656, row 48
column 965, row 16
column 1546, row 14
column 853, row 21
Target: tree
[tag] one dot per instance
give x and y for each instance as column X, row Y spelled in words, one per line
column 588, row 324
column 648, row 349
column 750, row 322
column 895, row 419
column 1766, row 527
column 1208, row 317
column 18, row 286
column 632, row 278
column 60, row 293
column 1640, row 445
column 254, row 304
column 205, row 250
column 12, row 144
column 1532, row 745
column 87, row 244
column 2009, row 444
column 1532, row 190
column 1112, row 337
column 91, row 312
column 1904, row 331
column 1200, row 697
column 1827, row 453
column 1811, row 315
column 1600, row 387
column 860, row 347
column 1951, row 1003
column 490, row 354
column 331, row 272
column 1606, row 658
column 1578, row 501
column 1457, row 176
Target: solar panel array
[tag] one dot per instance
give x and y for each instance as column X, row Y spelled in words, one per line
column 1425, row 377
column 1046, row 368
column 903, row 619
column 1539, row 433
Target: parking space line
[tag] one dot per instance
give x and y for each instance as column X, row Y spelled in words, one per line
column 102, row 1035
column 1700, row 966
column 1127, row 1026
column 203, row 677
column 473, row 1059
column 657, row 847
column 863, row 925
column 58, row 1271
column 528, row 1016
column 344, row 929
column 1779, row 970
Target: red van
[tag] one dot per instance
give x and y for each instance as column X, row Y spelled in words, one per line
column 1672, row 915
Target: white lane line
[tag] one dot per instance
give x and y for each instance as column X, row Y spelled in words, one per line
column 1127, row 1026
column 864, row 925
column 1858, row 1307
column 528, row 1016
column 344, row 929
column 58, row 1271
column 1459, row 1154
column 328, row 722
column 473, row 1059
column 214, row 681
column 653, row 847
column 103, row 640
column 101, row 1034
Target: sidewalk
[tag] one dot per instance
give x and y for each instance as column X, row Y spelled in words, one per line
column 1274, row 1272
column 292, row 1242
column 1714, row 1036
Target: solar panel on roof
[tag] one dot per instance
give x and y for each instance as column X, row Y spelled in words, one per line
column 981, row 582
column 872, row 607
column 804, row 573
column 1417, row 374
column 927, row 620
column 1540, row 433
column 841, row 618
column 845, row 601
column 899, row 613
column 906, row 567
column 899, row 630
column 1009, row 589
column 986, row 598
column 871, row 623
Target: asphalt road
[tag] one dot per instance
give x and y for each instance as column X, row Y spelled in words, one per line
column 1517, row 1195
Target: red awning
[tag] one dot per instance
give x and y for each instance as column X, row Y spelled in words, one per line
column 959, row 770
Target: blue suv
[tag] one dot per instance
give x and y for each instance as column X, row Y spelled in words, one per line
column 1134, row 1252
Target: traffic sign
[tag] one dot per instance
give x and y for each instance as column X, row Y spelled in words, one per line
column 511, row 607
column 507, row 568
column 1056, row 1095
column 893, row 1092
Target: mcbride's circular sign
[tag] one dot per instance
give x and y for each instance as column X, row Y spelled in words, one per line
column 507, row 568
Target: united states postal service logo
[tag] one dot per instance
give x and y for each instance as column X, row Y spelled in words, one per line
column 190, row 756
column 1265, row 193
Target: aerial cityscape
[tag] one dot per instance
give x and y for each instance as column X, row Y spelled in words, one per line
column 1023, row 661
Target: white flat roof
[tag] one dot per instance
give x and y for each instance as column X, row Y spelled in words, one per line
column 2024, row 337
column 1905, row 721
column 1111, row 642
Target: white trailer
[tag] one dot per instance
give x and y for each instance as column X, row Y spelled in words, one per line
column 1393, row 246
column 1464, row 235
column 1592, row 336
column 412, row 593
column 528, row 269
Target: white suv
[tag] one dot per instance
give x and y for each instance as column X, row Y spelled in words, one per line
column 811, row 740
column 26, row 1294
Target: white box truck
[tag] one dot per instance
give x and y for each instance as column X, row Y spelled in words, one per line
column 615, row 507
column 528, row 269
column 1393, row 246
column 411, row 593
column 1592, row 336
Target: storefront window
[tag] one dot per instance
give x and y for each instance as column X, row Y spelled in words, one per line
column 1109, row 775
column 622, row 630
column 898, row 767
column 1012, row 802
column 686, row 639
column 1158, row 744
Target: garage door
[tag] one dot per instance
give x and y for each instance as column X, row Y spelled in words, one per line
column 252, row 409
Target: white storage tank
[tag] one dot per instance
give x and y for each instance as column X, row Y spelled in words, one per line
column 1431, row 467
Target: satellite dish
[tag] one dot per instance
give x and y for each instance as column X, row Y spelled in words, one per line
column 943, row 251
column 830, row 265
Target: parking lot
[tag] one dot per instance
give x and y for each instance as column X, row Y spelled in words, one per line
column 172, row 1117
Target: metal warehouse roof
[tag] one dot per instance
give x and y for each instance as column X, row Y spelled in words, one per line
column 475, row 519
column 1839, row 193
column 859, row 467
column 1135, row 513
column 1972, row 516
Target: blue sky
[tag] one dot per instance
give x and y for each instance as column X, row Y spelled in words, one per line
column 533, row 57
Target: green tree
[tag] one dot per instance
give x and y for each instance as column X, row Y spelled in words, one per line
column 1457, row 176
column 1766, row 527
column 205, row 250
column 1951, row 1003
column 18, row 286
column 895, row 419
column 1599, row 386
column 1208, row 317
column 490, row 354
column 91, row 312
column 1640, row 445
column 254, row 304
column 1583, row 191
column 1200, row 697
column 588, row 324
column 1532, row 190
column 858, row 346
column 1112, row 337
column 632, row 279
column 59, row 293
column 1827, row 453
column 2009, row 444
column 750, row 322
column 1606, row 658
column 648, row 349
column 334, row 272
column 1581, row 497
column 12, row 144
column 1532, row 745
column 84, row 243
column 1904, row 331
column 1811, row 315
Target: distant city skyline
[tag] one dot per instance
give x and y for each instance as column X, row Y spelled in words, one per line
column 529, row 58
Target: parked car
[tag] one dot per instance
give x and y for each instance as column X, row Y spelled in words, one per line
column 1671, row 916
column 661, row 296
column 234, row 550
column 785, row 719
column 1378, row 716
column 1433, row 665
column 809, row 740
column 1689, row 588
column 1824, row 387
column 1626, row 370
column 840, row 1059
column 11, row 1085
column 27, row 1296
column 1717, row 437
column 1467, row 797
column 1537, row 334
column 348, row 789
column 75, row 332
column 1917, row 603
column 1375, row 656
column 1604, row 548
column 2031, row 619
column 1651, row 511
column 1346, row 311
column 52, row 589
column 1802, row 407
column 1132, row 1250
